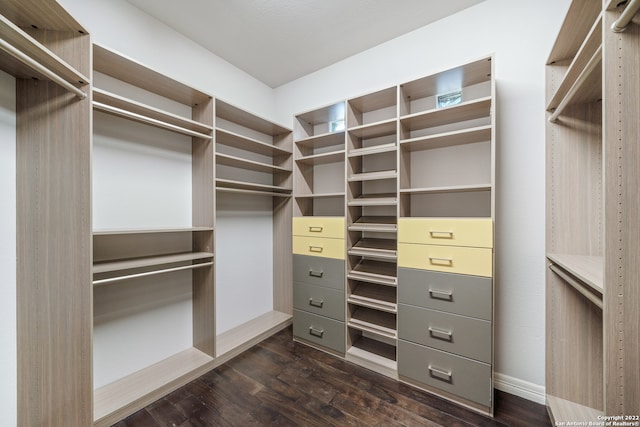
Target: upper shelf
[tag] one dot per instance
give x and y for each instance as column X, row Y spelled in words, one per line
column 322, row 158
column 242, row 142
column 586, row 268
column 242, row 163
column 243, row 118
column 136, row 111
column 577, row 24
column 374, row 130
column 448, row 139
column 17, row 44
column 130, row 71
column 469, row 110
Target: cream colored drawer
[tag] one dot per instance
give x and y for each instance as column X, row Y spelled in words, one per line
column 318, row 246
column 319, row 226
column 472, row 232
column 450, row 259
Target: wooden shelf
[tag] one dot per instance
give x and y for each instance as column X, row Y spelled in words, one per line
column 375, row 248
column 591, row 47
column 130, row 71
column 243, row 118
column 132, row 106
column 323, row 158
column 323, row 140
column 371, row 176
column 372, row 271
column 151, row 231
column 242, row 185
column 382, row 199
column 241, row 163
column 374, row 296
column 469, row 110
column 19, row 40
column 319, row 195
column 232, row 139
column 562, row 411
column 381, row 100
column 375, row 223
column 113, row 401
column 376, row 149
column 374, row 354
column 128, row 264
column 579, row 20
column 589, row 269
column 448, row 139
column 374, row 130
column 374, row 321
column 448, row 189
column 252, row 192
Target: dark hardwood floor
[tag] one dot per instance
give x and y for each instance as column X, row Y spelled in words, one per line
column 282, row 383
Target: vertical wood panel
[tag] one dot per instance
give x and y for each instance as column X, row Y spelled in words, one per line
column 54, row 310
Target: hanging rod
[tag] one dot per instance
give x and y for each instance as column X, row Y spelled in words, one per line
column 591, row 65
column 35, row 65
column 626, row 16
column 151, row 273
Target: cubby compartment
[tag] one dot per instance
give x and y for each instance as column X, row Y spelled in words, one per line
column 372, row 108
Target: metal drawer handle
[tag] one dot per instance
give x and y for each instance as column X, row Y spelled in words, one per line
column 315, row 229
column 315, row 248
column 316, row 304
column 441, row 234
column 316, row 273
column 441, row 261
column 440, row 374
column 316, row 332
column 440, row 334
column 444, row 295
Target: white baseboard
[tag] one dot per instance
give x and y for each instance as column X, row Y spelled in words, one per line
column 518, row 387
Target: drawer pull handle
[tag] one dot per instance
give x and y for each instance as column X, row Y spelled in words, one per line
column 444, row 295
column 315, row 248
column 440, row 374
column 317, row 229
column 316, row 273
column 441, row 261
column 441, row 234
column 440, row 334
column 316, row 332
column 316, row 304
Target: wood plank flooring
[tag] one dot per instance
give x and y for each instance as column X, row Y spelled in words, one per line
column 282, row 383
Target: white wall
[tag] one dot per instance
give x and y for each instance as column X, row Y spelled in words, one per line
column 8, row 360
column 520, row 34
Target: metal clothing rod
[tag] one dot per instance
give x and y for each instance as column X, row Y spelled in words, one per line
column 626, row 16
column 151, row 273
column 577, row 286
column 32, row 63
column 595, row 60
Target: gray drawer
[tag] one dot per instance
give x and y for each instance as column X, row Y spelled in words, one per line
column 454, row 374
column 319, row 271
column 319, row 300
column 449, row 332
column 454, row 293
column 319, row 330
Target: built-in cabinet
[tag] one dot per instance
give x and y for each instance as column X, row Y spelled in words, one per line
column 418, row 211
column 592, row 294
column 49, row 54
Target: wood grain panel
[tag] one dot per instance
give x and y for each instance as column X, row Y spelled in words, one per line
column 54, row 309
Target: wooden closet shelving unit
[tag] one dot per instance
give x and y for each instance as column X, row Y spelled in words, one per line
column 254, row 159
column 49, row 54
column 123, row 255
column 592, row 293
column 419, row 193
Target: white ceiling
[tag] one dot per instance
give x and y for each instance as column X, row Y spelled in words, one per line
column 277, row 41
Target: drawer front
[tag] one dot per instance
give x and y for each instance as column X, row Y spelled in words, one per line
column 319, row 300
column 319, row 246
column 460, row 335
column 449, row 259
column 319, row 271
column 472, row 232
column 319, row 330
column 319, row 226
column 453, row 293
column 454, row 374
